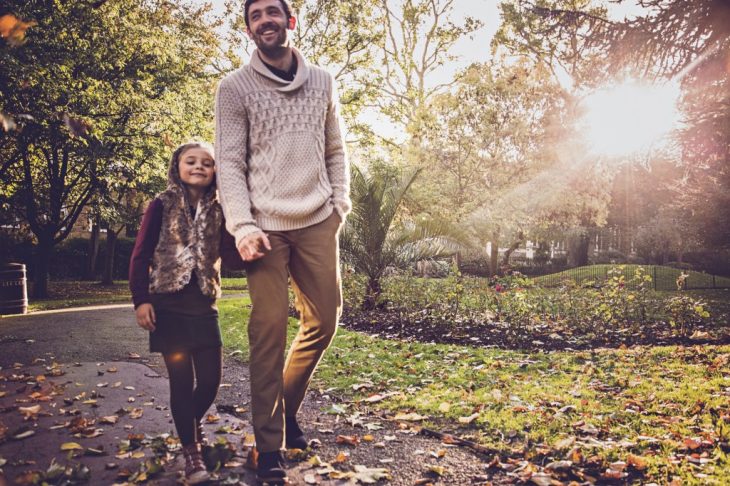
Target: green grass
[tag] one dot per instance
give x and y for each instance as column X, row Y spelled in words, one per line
column 74, row 293
column 665, row 277
column 634, row 396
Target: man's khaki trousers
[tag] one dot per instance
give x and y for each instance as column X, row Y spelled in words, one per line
column 310, row 257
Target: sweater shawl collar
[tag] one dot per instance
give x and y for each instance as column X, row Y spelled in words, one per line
column 284, row 86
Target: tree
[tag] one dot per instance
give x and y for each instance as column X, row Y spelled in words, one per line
column 337, row 35
column 481, row 141
column 685, row 41
column 121, row 76
column 374, row 239
column 418, row 40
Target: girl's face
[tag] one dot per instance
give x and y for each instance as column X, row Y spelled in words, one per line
column 196, row 167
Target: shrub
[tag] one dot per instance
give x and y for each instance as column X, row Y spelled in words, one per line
column 685, row 313
column 609, row 256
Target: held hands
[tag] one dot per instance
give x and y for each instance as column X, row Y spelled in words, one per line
column 252, row 245
column 146, row 316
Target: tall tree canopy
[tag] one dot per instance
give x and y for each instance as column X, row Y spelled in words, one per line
column 684, row 41
column 94, row 89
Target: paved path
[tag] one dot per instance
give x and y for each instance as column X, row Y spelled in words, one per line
column 73, row 372
column 89, row 342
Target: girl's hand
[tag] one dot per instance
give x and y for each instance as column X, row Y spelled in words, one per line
column 146, row 316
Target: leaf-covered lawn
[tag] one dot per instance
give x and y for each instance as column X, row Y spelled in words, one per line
column 73, row 293
column 650, row 413
column 665, row 277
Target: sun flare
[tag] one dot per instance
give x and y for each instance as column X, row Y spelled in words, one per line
column 630, row 118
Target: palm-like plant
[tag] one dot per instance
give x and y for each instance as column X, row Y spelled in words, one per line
column 374, row 239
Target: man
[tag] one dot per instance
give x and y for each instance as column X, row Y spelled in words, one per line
column 283, row 180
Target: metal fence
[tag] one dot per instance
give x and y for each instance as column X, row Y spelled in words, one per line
column 662, row 278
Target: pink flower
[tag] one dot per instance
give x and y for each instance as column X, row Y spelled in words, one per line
column 498, row 287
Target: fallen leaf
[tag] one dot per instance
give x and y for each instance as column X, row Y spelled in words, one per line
column 22, row 433
column 374, row 398
column 559, row 465
column 692, row 444
column 542, row 479
column 109, row 419
column 637, row 462
column 613, row 474
column 30, row 477
column 212, row 419
column 71, row 446
column 13, row 29
column 362, row 474
column 310, row 479
column 471, row 418
column 30, row 413
column 565, row 443
column 351, row 440
column 342, row 456
column 136, row 413
column 410, row 417
column 437, row 470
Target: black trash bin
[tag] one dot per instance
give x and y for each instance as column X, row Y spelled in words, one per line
column 13, row 289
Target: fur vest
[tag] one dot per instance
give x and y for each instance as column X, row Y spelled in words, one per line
column 187, row 244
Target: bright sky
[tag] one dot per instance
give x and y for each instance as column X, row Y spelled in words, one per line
column 477, row 48
column 469, row 50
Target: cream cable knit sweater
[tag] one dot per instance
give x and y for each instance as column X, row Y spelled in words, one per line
column 280, row 158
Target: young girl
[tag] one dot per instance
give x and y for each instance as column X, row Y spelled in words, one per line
column 174, row 276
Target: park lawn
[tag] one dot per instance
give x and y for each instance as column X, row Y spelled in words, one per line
column 653, row 402
column 75, row 293
column 666, row 277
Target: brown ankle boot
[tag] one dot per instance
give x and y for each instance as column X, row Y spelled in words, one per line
column 195, row 472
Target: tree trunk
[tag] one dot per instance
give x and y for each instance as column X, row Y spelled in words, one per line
column 372, row 293
column 578, row 250
column 512, row 248
column 93, row 251
column 42, row 268
column 111, row 245
column 494, row 256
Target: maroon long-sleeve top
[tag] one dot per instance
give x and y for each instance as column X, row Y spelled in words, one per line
column 144, row 248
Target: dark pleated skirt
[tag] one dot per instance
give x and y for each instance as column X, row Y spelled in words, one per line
column 178, row 332
column 186, row 320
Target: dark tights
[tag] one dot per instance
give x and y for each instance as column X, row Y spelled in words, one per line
column 194, row 380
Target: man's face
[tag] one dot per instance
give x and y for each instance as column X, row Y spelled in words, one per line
column 267, row 25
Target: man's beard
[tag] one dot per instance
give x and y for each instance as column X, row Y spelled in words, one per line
column 278, row 47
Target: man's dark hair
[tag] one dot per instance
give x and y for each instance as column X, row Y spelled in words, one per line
column 247, row 6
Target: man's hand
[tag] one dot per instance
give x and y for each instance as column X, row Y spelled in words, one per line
column 252, row 246
column 146, row 316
